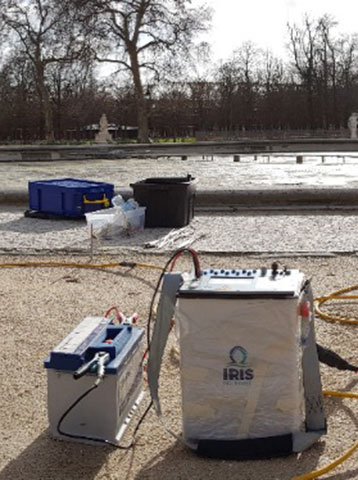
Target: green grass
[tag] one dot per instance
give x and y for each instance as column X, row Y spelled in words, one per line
column 175, row 140
column 92, row 142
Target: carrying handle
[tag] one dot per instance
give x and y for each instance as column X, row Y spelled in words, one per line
column 104, row 200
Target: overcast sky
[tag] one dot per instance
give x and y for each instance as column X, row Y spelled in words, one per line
column 264, row 21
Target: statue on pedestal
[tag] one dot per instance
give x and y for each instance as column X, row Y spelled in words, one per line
column 103, row 136
column 352, row 125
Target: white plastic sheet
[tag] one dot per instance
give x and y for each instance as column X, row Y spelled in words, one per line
column 240, row 368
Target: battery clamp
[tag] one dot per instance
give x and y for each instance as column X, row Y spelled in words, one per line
column 250, row 375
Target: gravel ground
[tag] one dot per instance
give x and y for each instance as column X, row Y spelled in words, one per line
column 40, row 306
column 254, row 231
column 213, row 173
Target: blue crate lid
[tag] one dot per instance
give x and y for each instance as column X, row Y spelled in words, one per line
column 72, row 183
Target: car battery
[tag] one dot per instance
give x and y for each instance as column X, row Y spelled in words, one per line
column 103, row 414
column 69, row 197
column 241, row 351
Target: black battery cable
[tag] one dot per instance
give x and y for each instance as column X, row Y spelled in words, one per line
column 100, row 376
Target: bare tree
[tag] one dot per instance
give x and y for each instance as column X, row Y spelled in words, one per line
column 47, row 33
column 347, row 74
column 326, row 64
column 272, row 80
column 19, row 119
column 134, row 35
column 229, row 80
column 247, row 60
column 304, row 43
column 69, row 85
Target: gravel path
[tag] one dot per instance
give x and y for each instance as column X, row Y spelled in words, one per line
column 40, row 306
column 254, row 231
column 216, row 173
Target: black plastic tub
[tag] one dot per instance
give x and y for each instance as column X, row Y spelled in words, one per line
column 169, row 200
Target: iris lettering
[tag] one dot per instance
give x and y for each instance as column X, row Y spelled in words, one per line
column 238, row 374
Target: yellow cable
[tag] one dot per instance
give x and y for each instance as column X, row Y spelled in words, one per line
column 342, row 458
column 147, row 265
column 79, row 265
column 334, row 393
column 337, row 295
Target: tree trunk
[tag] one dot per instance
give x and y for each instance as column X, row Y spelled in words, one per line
column 49, row 129
column 334, row 95
column 45, row 103
column 143, row 128
column 142, row 108
column 311, row 115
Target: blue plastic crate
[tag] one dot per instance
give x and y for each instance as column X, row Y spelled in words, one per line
column 69, row 197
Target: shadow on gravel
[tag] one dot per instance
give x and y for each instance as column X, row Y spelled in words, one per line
column 277, row 212
column 34, row 225
column 178, row 463
column 47, row 459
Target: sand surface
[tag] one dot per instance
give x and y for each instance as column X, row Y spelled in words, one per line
column 40, row 306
